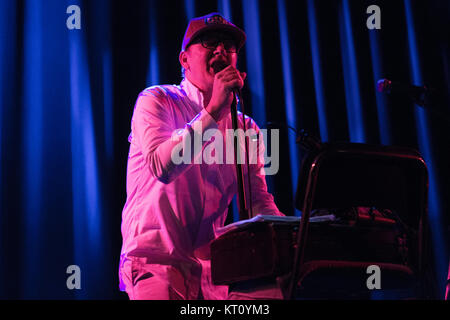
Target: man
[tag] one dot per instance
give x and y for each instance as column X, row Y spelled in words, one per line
column 173, row 209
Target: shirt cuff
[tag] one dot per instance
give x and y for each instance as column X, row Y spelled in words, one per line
column 202, row 122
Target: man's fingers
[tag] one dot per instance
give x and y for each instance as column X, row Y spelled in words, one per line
column 225, row 70
column 234, row 82
column 231, row 77
column 231, row 70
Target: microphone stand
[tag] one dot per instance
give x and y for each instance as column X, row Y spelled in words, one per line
column 244, row 212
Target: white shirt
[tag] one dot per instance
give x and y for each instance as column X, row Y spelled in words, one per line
column 172, row 211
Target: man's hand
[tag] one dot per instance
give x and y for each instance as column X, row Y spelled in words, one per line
column 222, row 94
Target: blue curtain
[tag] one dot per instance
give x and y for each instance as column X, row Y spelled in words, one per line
column 67, row 96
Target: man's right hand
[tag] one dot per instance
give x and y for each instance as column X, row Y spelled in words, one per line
column 222, row 94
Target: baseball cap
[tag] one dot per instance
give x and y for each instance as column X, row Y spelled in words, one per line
column 212, row 21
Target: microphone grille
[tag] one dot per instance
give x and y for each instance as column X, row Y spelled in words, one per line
column 384, row 85
column 219, row 66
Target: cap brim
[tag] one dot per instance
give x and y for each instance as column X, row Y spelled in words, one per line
column 237, row 33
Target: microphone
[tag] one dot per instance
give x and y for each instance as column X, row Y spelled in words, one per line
column 421, row 95
column 425, row 97
column 245, row 210
column 219, row 66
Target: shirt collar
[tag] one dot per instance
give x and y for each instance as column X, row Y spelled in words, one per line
column 193, row 93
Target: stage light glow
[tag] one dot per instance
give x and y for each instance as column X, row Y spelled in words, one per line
column 351, row 79
column 378, row 73
column 290, row 105
column 317, row 71
column 425, row 147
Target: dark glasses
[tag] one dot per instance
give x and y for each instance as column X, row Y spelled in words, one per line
column 212, row 40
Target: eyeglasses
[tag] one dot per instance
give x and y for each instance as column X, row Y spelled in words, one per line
column 212, row 40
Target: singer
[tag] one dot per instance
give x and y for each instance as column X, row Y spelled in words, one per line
column 172, row 211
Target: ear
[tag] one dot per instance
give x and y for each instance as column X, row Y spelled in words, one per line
column 183, row 60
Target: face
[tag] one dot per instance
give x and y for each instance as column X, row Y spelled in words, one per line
column 199, row 57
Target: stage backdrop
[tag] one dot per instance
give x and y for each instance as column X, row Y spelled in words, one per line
column 68, row 87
